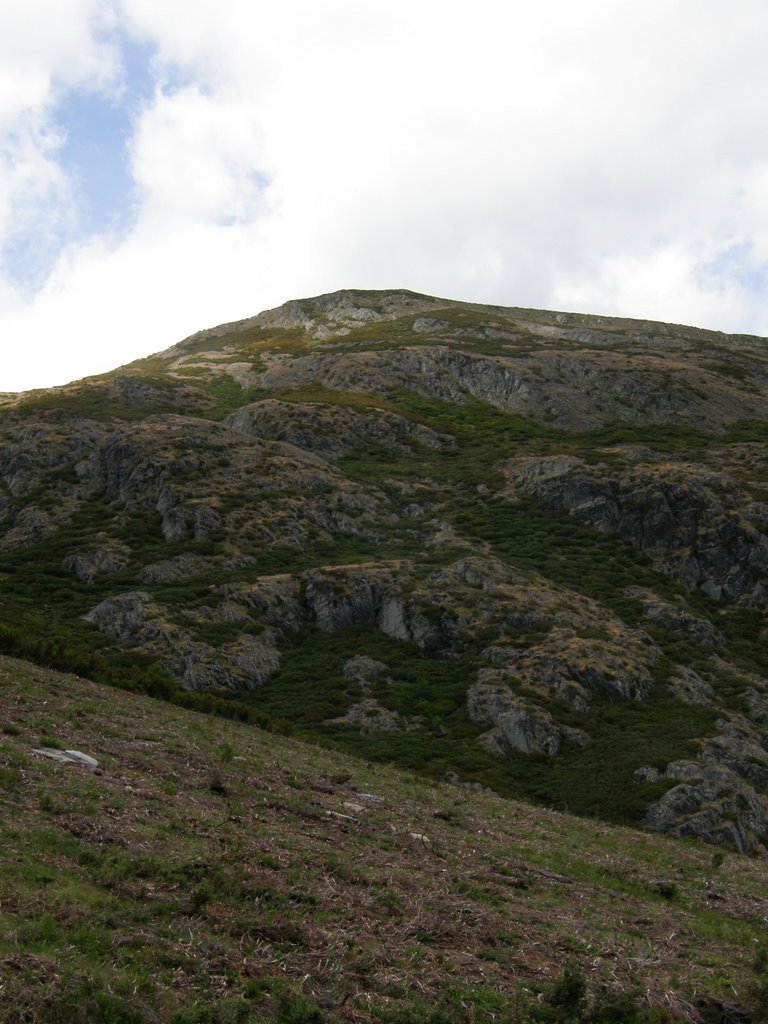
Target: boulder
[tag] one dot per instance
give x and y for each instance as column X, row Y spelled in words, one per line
column 122, row 616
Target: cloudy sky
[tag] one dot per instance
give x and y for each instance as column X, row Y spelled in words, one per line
column 166, row 165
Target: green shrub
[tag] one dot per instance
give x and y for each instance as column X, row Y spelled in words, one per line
column 230, row 1011
column 298, row 1009
column 569, row 993
column 87, row 1003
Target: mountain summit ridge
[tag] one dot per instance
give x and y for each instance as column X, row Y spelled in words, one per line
column 365, row 306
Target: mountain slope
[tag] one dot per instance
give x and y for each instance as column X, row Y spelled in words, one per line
column 206, row 871
column 526, row 549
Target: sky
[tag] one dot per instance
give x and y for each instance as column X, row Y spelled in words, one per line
column 168, row 165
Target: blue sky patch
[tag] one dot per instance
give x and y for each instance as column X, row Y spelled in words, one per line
column 96, row 127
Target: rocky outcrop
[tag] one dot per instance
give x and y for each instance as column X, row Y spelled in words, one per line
column 173, row 570
column 342, row 309
column 677, row 619
column 30, row 526
column 109, row 557
column 757, row 704
column 332, row 432
column 36, row 449
column 133, row 619
column 716, row 806
column 722, row 796
column 576, row 387
column 244, row 665
column 256, row 491
column 368, row 595
column 136, row 391
column 276, row 600
column 364, row 671
column 515, row 725
column 576, row 669
column 686, row 518
column 688, row 687
column 369, row 717
column 122, row 616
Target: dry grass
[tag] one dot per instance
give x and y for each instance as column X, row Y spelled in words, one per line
column 207, row 861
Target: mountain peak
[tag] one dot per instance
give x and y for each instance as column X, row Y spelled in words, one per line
column 322, row 315
column 473, row 535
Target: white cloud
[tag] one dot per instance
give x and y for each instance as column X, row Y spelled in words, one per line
column 46, row 44
column 196, row 159
column 45, row 47
column 599, row 156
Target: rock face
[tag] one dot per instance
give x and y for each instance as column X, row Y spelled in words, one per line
column 92, row 562
column 516, row 726
column 722, row 796
column 678, row 619
column 457, row 528
column 559, row 388
column 31, row 525
column 332, row 432
column 690, row 688
column 687, row 519
column 121, row 617
column 133, row 619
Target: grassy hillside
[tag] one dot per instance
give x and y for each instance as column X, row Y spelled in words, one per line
column 207, row 871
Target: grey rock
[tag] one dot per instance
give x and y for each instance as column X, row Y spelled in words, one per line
column 517, row 726
column 87, row 565
column 256, row 657
column 68, row 757
column 757, row 702
column 355, row 596
column 685, row 518
column 677, row 618
column 334, row 432
column 683, row 771
column 171, row 570
column 207, row 522
column 121, row 617
column 276, row 600
column 363, row 671
column 137, row 391
column 368, row 716
column 690, row 688
column 716, row 807
column 31, row 525
column 575, row 669
column 721, row 798
column 34, row 449
column 427, row 325
column 174, row 524
column 230, row 612
column 244, row 665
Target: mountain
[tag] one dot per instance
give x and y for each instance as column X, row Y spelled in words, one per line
column 514, row 549
column 183, row 869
